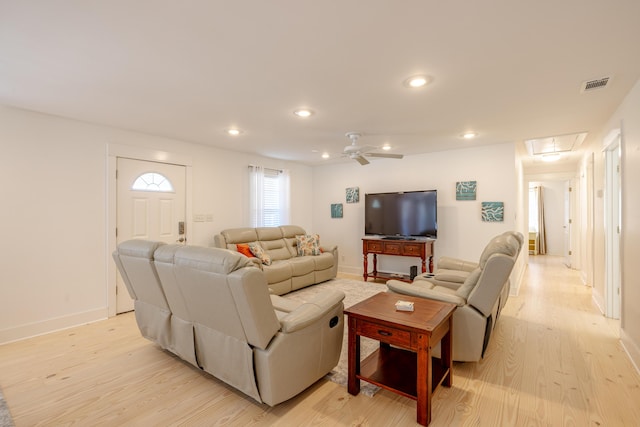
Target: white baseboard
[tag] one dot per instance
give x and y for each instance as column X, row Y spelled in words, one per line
column 30, row 330
column 631, row 348
column 350, row 270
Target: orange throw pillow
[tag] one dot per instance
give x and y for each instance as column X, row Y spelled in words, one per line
column 244, row 250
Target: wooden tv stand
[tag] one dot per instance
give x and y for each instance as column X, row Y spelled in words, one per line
column 422, row 249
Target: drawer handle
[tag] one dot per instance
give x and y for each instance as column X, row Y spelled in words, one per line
column 385, row 333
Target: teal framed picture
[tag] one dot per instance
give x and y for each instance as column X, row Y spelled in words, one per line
column 466, row 190
column 336, row 210
column 493, row 211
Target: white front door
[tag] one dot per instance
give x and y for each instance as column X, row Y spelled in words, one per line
column 150, row 205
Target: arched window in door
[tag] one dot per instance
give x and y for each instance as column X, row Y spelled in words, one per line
column 152, row 181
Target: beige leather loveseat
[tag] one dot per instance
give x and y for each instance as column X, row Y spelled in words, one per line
column 479, row 298
column 212, row 308
column 287, row 270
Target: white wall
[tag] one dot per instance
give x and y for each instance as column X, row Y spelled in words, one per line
column 626, row 117
column 54, row 263
column 461, row 232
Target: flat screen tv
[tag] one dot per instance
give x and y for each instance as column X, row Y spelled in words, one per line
column 407, row 214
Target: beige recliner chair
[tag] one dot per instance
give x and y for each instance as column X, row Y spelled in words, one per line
column 221, row 318
column 452, row 272
column 479, row 299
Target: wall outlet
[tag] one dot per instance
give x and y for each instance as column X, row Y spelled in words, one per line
column 209, row 218
column 199, row 218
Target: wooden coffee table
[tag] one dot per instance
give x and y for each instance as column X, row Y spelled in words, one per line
column 403, row 364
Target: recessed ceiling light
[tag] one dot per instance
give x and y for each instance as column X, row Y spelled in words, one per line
column 416, row 82
column 469, row 135
column 303, row 112
column 325, row 155
column 386, row 147
column 234, row 132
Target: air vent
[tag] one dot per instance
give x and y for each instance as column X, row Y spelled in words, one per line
column 590, row 85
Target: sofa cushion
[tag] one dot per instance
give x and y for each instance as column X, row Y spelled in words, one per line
column 259, row 253
column 465, row 289
column 323, row 261
column 308, row 244
column 278, row 271
column 455, row 276
column 302, row 265
column 276, row 249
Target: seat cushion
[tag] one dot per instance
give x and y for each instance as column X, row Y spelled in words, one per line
column 302, row 265
column 278, row 271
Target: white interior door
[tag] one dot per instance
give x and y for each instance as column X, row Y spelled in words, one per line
column 150, row 205
column 566, row 224
column 612, row 229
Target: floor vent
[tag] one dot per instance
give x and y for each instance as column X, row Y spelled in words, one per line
column 594, row 84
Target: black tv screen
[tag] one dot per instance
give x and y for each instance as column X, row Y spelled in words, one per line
column 401, row 214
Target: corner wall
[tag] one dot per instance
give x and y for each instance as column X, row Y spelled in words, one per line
column 54, row 264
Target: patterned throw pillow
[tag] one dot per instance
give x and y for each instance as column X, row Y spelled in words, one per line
column 244, row 249
column 259, row 253
column 308, row 244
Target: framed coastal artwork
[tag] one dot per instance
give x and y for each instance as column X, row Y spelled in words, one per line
column 466, row 190
column 336, row 210
column 353, row 194
column 493, row 211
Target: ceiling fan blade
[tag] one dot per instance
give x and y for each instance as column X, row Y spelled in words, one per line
column 361, row 160
column 385, row 155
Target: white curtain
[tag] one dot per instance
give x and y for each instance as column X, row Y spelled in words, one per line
column 268, row 196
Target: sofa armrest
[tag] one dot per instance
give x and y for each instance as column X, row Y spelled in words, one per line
column 331, row 249
column 311, row 311
column 449, row 263
column 423, row 289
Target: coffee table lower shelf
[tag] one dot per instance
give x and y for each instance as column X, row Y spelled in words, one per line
column 395, row 369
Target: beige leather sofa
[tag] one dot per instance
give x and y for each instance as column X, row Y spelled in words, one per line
column 479, row 299
column 212, row 308
column 288, row 271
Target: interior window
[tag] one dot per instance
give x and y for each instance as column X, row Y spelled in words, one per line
column 152, row 181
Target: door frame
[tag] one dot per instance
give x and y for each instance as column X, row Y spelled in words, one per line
column 613, row 226
column 137, row 153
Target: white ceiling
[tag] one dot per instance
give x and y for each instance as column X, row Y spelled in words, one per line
column 508, row 70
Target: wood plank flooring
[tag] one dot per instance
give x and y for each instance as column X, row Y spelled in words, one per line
column 554, row 360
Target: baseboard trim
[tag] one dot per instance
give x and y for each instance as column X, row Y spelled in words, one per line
column 631, row 348
column 35, row 329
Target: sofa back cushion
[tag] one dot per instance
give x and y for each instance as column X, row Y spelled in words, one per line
column 503, row 244
column 491, row 282
column 226, row 293
column 134, row 259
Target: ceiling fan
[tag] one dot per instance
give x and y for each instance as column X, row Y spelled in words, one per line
column 359, row 152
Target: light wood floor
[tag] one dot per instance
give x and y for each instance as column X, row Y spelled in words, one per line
column 553, row 361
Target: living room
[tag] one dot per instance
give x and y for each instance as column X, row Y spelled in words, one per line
column 58, row 211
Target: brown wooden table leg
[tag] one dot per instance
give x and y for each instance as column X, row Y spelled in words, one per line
column 424, row 380
column 353, row 383
column 446, row 350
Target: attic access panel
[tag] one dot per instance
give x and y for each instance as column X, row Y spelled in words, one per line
column 555, row 144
